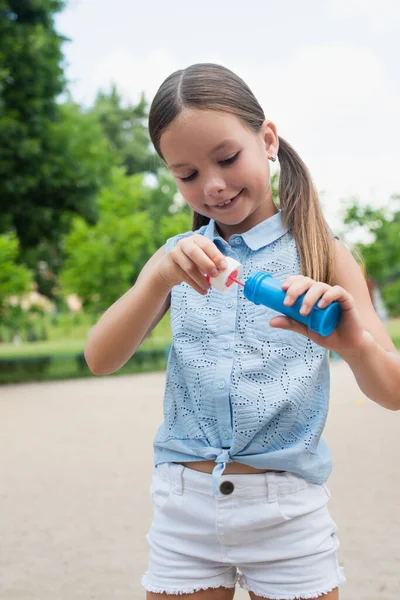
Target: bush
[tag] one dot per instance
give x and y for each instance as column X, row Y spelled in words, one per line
column 391, row 296
column 40, row 368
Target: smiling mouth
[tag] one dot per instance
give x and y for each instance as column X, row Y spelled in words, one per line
column 227, row 203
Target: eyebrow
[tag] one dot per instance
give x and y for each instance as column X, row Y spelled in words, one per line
column 218, row 147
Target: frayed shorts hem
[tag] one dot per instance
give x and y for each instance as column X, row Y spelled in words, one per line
column 158, row 589
column 241, row 581
column 341, row 580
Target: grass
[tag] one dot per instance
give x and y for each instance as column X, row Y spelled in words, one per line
column 54, row 348
column 393, row 327
column 60, row 357
column 67, row 340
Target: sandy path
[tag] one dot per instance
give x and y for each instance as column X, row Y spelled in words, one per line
column 74, row 488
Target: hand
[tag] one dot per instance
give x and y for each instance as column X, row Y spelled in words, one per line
column 190, row 260
column 348, row 335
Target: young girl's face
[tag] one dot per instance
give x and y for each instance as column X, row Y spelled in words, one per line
column 221, row 167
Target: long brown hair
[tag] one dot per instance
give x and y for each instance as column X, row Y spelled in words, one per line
column 213, row 87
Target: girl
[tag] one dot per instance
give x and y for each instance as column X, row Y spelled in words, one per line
column 239, row 486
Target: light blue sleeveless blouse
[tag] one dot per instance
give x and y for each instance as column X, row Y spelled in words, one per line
column 236, row 388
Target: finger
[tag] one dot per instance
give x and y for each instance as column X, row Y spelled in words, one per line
column 191, row 274
column 292, row 279
column 312, row 296
column 280, row 322
column 199, row 256
column 297, row 288
column 211, row 250
column 290, row 324
column 339, row 294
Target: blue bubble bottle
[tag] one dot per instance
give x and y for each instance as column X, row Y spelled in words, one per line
column 262, row 288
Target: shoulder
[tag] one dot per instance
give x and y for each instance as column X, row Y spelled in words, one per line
column 349, row 275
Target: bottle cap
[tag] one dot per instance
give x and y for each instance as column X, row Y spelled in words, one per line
column 222, row 282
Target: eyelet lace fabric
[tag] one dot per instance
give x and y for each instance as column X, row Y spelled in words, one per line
column 236, row 388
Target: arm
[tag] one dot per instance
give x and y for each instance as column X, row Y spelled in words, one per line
column 375, row 361
column 123, row 327
column 377, row 372
column 360, row 337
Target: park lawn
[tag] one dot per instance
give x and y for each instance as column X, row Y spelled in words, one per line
column 48, row 348
column 160, row 338
column 394, row 327
column 68, row 345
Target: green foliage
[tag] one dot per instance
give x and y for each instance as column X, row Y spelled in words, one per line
column 53, row 157
column 169, row 216
column 103, row 260
column 174, row 224
column 30, row 79
column 123, row 195
column 275, row 188
column 382, row 253
column 51, row 367
column 79, row 166
column 391, row 297
column 14, row 280
column 125, row 128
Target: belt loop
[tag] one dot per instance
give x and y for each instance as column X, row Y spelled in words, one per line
column 178, row 478
column 270, row 481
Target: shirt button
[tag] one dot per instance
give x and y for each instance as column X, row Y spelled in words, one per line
column 221, row 385
column 226, row 434
column 238, row 240
column 226, row 346
column 229, row 304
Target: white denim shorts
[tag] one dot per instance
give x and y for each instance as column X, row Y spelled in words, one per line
column 269, row 532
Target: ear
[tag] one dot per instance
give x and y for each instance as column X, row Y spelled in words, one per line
column 270, row 137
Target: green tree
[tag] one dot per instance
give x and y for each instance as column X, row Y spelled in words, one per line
column 126, row 130
column 104, row 260
column 275, row 188
column 31, row 78
column 165, row 206
column 382, row 253
column 80, row 166
column 174, row 224
column 15, row 279
column 53, row 157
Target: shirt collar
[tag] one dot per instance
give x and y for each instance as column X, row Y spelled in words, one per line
column 261, row 235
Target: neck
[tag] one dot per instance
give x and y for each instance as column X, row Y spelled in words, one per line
column 226, row 231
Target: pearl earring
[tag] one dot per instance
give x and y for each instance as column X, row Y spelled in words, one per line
column 272, row 157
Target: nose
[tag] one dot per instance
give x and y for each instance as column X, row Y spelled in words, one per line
column 214, row 187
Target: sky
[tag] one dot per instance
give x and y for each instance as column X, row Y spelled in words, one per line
column 325, row 72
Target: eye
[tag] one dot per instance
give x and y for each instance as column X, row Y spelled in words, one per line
column 225, row 163
column 230, row 160
column 192, row 176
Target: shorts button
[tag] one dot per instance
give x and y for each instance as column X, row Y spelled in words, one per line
column 226, row 487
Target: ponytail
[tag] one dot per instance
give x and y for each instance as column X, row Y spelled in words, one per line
column 302, row 214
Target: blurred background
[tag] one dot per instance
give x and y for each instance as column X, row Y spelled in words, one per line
column 84, row 199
